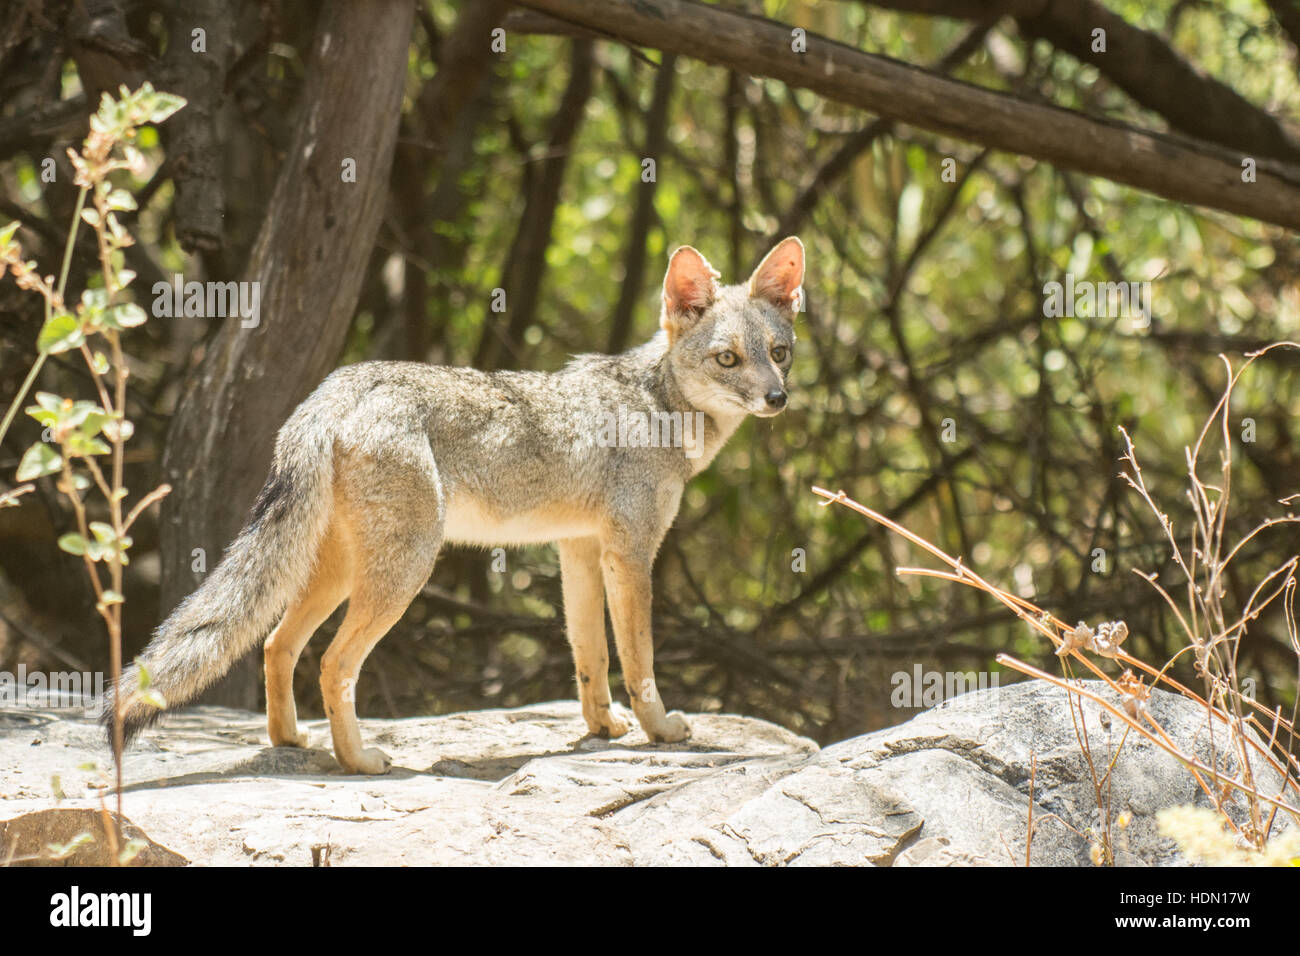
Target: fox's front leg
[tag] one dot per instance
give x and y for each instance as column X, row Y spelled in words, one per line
column 584, row 619
column 627, row 579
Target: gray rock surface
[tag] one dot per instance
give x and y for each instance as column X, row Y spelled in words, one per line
column 528, row 787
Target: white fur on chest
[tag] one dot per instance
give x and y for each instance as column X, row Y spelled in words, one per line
column 469, row 522
column 715, row 437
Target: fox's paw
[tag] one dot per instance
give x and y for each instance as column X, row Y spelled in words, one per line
column 674, row 728
column 372, row 761
column 608, row 725
column 296, row 739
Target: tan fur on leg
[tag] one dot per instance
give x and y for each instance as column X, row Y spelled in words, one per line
column 326, row 591
column 363, row 627
column 628, row 584
column 584, row 619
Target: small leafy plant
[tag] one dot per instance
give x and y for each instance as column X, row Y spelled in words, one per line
column 84, row 440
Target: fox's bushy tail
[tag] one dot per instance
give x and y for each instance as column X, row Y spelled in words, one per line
column 263, row 569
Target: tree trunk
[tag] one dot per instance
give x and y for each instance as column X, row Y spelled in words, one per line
column 308, row 261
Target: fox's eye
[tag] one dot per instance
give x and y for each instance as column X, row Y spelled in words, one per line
column 727, row 359
column 779, row 354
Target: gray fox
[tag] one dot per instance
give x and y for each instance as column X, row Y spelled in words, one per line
column 386, row 461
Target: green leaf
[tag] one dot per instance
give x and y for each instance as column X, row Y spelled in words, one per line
column 39, row 460
column 49, row 401
column 96, row 299
column 81, row 446
column 80, row 412
column 43, row 415
column 164, row 105
column 106, row 543
column 132, row 849
column 91, row 216
column 153, row 699
column 116, row 232
column 61, row 333
column 61, row 851
column 128, row 315
column 121, row 199
column 111, row 597
column 94, row 422
column 72, row 543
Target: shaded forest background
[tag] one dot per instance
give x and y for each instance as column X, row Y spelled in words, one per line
column 927, row 383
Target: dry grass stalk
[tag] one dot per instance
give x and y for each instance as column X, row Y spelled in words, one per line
column 1211, row 634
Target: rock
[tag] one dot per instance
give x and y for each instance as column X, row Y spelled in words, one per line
column 965, row 766
column 528, row 786
column 68, row 837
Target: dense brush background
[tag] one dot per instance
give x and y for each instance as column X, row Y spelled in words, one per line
column 924, row 303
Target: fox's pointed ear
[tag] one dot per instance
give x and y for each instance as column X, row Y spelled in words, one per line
column 689, row 288
column 779, row 277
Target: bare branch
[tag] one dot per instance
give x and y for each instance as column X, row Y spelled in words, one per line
column 1175, row 167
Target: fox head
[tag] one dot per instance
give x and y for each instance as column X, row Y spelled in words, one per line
column 730, row 347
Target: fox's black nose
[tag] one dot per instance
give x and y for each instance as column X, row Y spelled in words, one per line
column 776, row 399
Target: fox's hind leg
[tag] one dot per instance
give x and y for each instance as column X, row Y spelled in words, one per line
column 373, row 607
column 394, row 511
column 324, row 592
column 584, row 619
